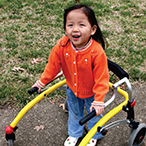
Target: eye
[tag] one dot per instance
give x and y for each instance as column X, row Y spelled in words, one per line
column 82, row 24
column 70, row 25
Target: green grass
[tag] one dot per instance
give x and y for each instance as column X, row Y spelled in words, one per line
column 29, row 29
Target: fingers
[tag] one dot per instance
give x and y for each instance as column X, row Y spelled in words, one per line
column 98, row 106
column 99, row 111
column 36, row 85
column 39, row 89
column 91, row 109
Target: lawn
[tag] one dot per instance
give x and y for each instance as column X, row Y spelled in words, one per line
column 30, row 28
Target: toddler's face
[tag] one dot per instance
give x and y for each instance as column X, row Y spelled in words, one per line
column 78, row 28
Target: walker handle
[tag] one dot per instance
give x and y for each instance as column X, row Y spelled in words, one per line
column 87, row 118
column 31, row 91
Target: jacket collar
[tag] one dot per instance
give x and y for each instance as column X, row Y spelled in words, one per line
column 84, row 47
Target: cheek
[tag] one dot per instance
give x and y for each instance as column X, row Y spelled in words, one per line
column 86, row 32
column 68, row 32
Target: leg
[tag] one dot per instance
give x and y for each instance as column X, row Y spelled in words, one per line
column 95, row 119
column 76, row 112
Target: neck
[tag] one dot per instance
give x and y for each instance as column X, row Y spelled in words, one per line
column 83, row 47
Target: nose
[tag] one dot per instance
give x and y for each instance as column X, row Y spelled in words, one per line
column 75, row 28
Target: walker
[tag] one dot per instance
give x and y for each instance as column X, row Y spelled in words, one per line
column 137, row 130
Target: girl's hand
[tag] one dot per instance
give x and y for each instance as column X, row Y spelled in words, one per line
column 37, row 85
column 98, row 106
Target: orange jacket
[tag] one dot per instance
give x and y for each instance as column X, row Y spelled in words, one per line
column 86, row 72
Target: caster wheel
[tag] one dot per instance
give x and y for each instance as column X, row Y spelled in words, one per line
column 137, row 135
column 66, row 105
column 10, row 142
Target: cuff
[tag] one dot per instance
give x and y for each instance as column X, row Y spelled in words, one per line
column 40, row 84
column 96, row 103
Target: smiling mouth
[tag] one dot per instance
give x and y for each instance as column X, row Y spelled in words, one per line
column 76, row 36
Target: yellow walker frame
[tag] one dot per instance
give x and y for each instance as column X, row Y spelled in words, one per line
column 138, row 131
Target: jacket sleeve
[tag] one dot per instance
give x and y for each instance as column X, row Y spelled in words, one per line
column 52, row 68
column 101, row 77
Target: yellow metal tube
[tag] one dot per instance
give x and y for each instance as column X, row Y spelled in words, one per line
column 104, row 119
column 36, row 100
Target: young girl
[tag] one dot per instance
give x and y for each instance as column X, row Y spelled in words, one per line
column 84, row 65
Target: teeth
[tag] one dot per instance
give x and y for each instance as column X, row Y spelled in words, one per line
column 76, row 36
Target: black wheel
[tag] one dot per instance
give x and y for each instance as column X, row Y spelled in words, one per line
column 66, row 105
column 137, row 135
column 10, row 142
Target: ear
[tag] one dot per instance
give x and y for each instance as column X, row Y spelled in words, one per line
column 93, row 29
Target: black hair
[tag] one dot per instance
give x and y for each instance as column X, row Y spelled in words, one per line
column 98, row 36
